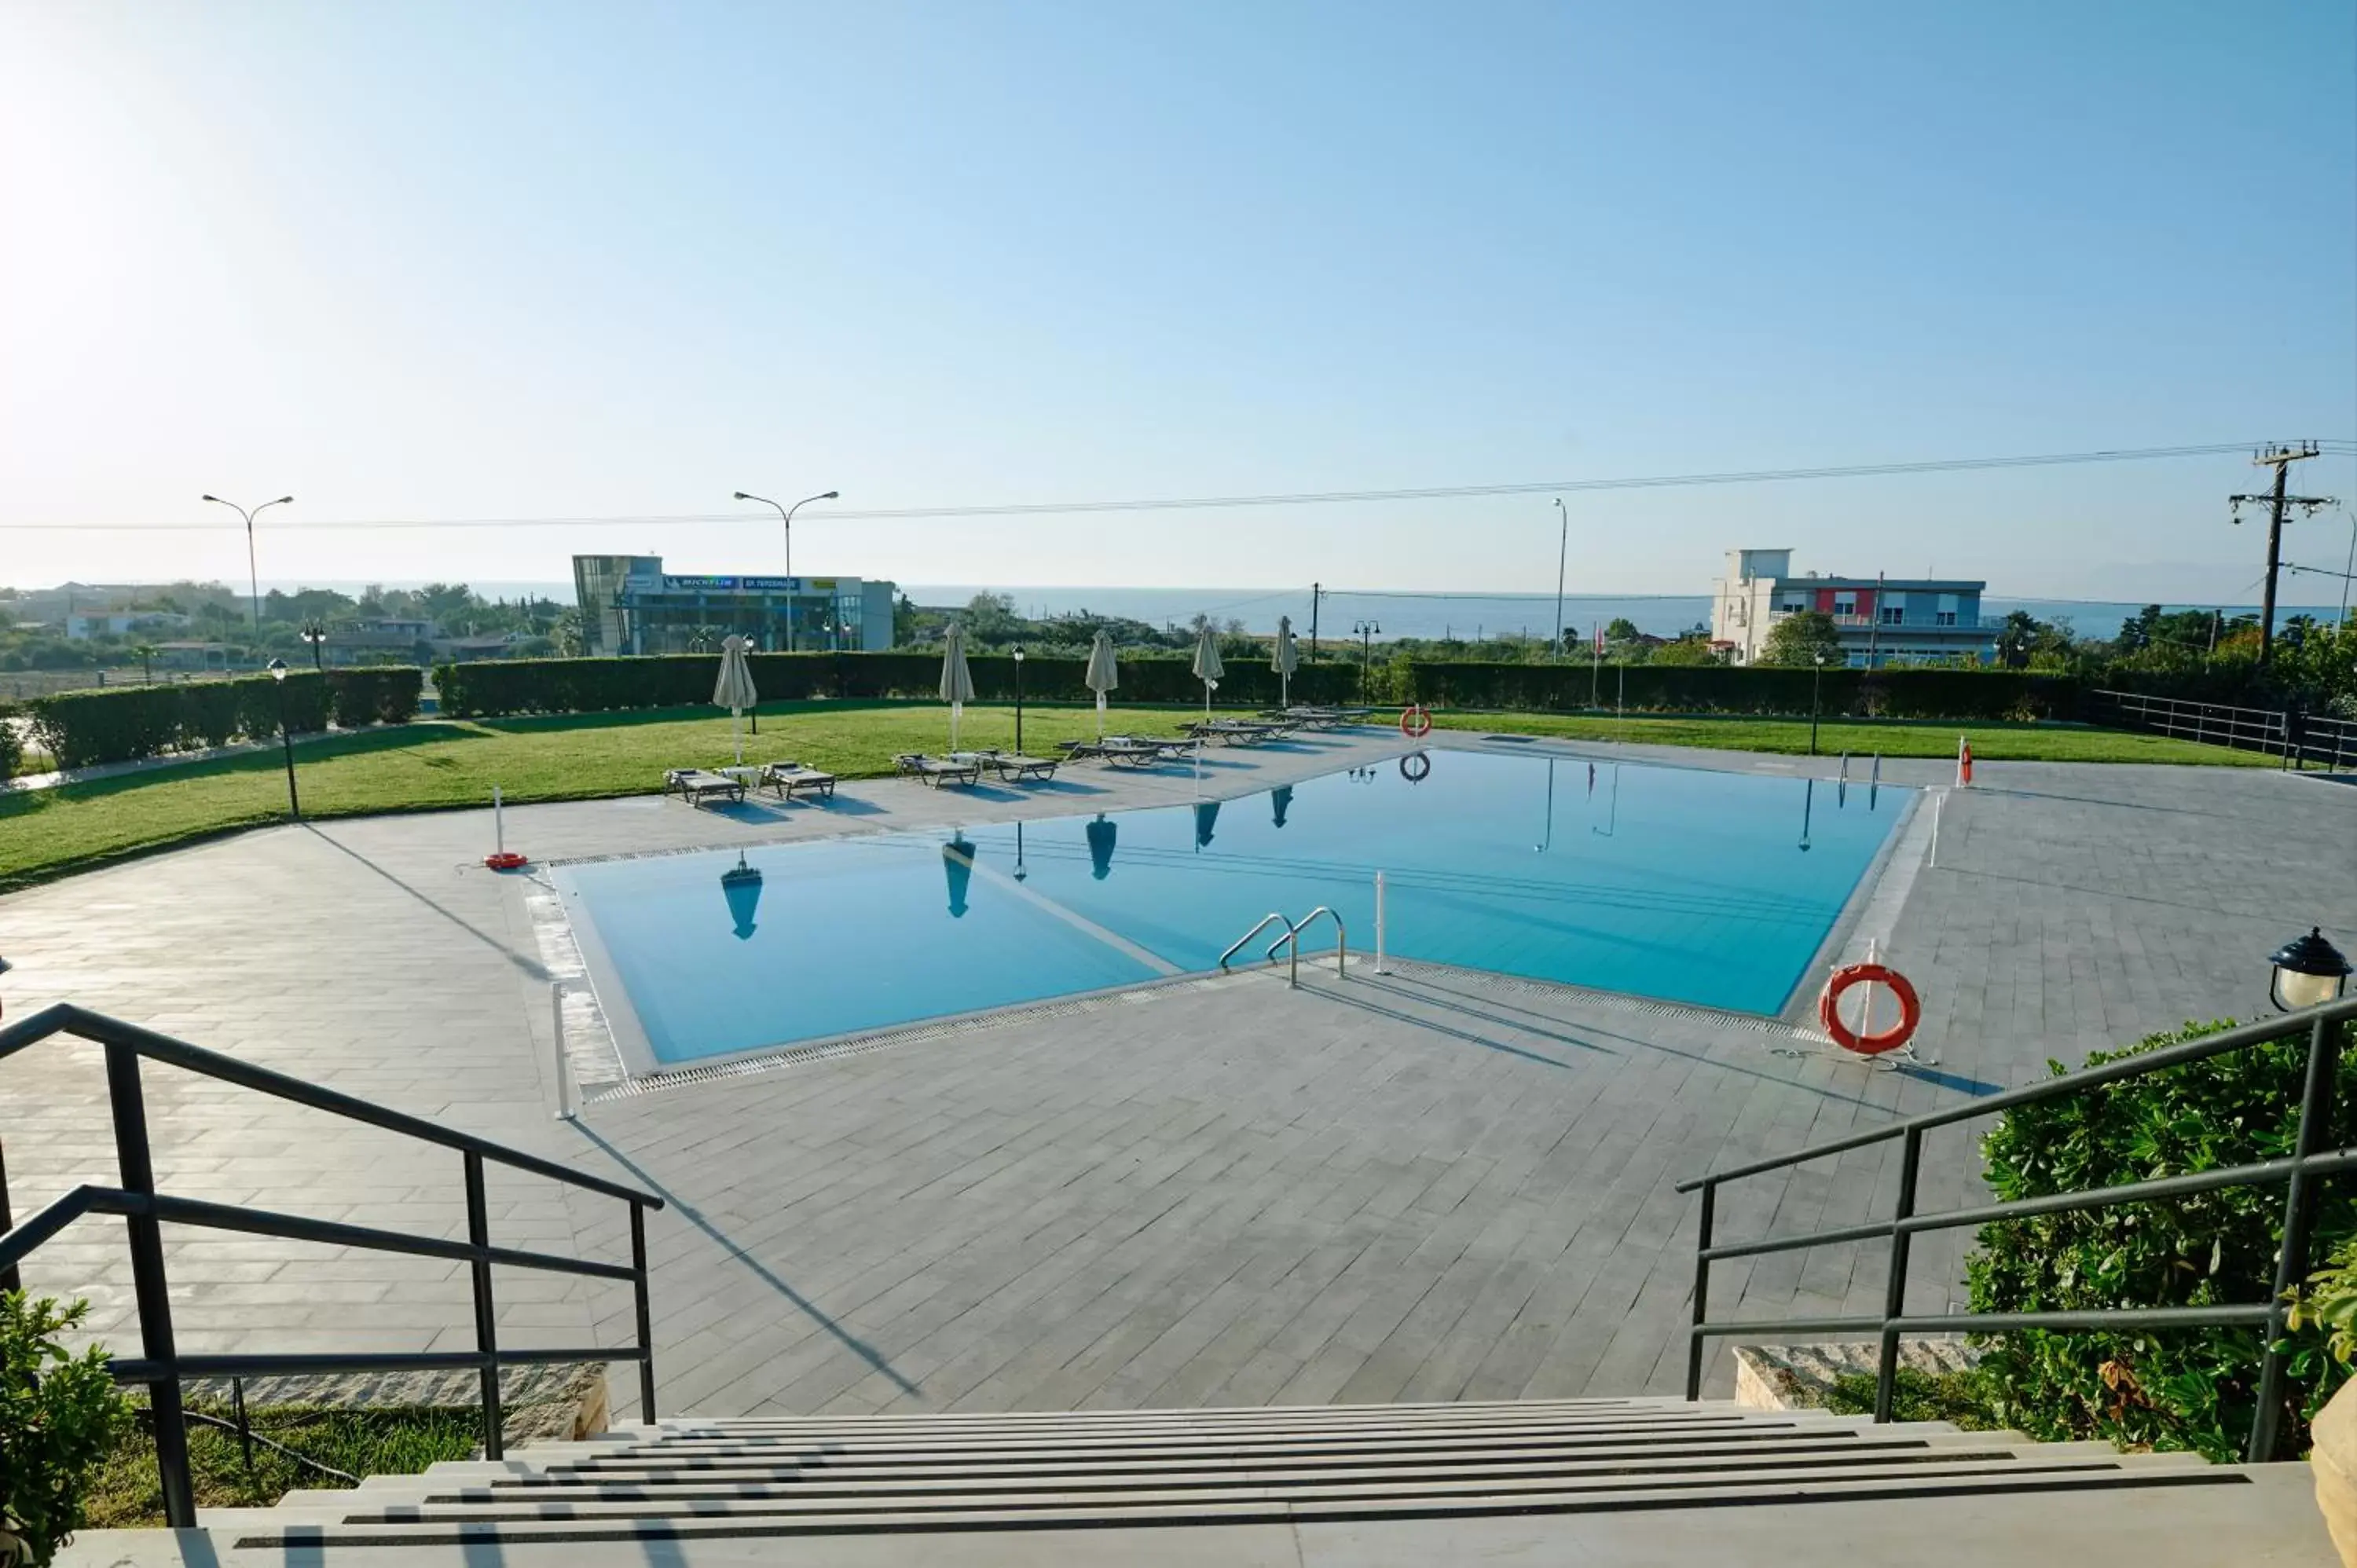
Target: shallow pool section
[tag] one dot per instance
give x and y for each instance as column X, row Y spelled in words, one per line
column 1672, row 883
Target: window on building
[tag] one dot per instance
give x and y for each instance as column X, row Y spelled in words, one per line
column 1946, row 614
column 1891, row 615
column 1845, row 604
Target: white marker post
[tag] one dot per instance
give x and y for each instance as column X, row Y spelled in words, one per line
column 565, row 1108
column 498, row 824
column 1379, row 922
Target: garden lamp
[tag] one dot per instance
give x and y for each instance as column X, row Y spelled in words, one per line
column 2309, row 971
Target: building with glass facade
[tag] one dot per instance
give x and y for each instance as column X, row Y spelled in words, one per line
column 631, row 605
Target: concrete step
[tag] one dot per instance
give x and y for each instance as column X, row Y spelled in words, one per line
column 951, row 1497
column 1164, row 1511
column 2268, row 1518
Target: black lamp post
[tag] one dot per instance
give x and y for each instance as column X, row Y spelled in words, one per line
column 1018, row 705
column 1816, row 689
column 285, row 738
column 316, row 634
column 1365, row 630
column 2309, row 971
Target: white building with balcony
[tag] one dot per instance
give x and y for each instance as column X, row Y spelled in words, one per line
column 1896, row 620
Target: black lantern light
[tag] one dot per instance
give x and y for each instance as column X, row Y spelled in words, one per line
column 2309, row 971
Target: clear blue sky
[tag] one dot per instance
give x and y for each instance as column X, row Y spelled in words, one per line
column 443, row 261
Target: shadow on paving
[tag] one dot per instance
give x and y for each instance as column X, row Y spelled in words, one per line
column 761, row 1271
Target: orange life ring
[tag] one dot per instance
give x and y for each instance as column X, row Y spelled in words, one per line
column 1911, row 1009
column 1416, row 720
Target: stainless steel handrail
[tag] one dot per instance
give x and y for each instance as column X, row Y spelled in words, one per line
column 1293, row 930
column 1258, row 927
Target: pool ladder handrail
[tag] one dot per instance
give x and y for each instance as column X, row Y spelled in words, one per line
column 1293, row 930
column 1258, row 927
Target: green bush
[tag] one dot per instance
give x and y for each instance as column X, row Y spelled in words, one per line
column 495, row 688
column 2193, row 1388
column 124, row 724
column 12, row 743
column 379, row 695
column 1899, row 693
column 59, row 1417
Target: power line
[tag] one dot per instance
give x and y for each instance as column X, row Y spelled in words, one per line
column 1206, row 503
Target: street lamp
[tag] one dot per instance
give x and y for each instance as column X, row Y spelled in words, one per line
column 285, row 738
column 253, row 576
column 1018, row 710
column 1365, row 632
column 1817, row 686
column 1563, row 557
column 316, row 634
column 2309, row 971
column 787, row 512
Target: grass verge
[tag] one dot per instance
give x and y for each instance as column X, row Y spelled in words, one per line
column 1962, row 1399
column 1992, row 742
column 49, row 834
column 394, row 1442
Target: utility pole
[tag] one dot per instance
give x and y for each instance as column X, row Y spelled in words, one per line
column 1316, row 592
column 2280, row 458
column 1874, row 626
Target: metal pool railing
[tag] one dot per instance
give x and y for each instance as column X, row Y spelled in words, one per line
column 163, row 1368
column 2300, row 1174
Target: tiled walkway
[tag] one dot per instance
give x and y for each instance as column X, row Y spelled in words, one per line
column 1425, row 1186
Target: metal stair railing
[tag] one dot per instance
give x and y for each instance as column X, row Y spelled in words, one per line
column 162, row 1368
column 2301, row 1173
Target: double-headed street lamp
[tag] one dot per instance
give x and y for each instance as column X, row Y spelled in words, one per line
column 316, row 634
column 1364, row 631
column 285, row 738
column 787, row 512
column 253, row 576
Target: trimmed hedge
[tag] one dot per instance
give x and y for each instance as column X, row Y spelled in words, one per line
column 494, row 688
column 1748, row 689
column 12, row 743
column 376, row 694
column 124, row 724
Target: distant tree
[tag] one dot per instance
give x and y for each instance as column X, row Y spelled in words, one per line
column 2024, row 640
column 1797, row 638
column 1685, row 650
column 1621, row 628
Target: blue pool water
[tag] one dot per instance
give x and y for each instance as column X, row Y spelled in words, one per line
column 1672, row 883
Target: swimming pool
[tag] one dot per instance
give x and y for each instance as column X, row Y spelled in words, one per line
column 1672, row 883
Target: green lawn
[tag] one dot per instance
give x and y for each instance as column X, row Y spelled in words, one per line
column 49, row 834
column 1992, row 742
column 127, row 1494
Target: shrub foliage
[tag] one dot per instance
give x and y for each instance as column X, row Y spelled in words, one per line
column 59, row 1417
column 494, row 688
column 2193, row 1388
column 124, row 724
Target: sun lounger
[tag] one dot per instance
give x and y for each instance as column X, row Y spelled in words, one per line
column 695, row 784
column 1236, row 732
column 792, row 779
column 1014, row 767
column 1126, row 750
column 939, row 770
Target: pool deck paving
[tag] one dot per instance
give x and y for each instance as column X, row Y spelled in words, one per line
column 1431, row 1185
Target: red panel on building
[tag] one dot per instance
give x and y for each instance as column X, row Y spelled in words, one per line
column 1865, row 603
column 1825, row 600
